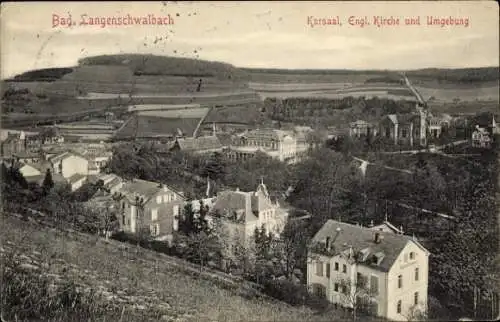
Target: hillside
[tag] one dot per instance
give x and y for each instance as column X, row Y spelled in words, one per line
column 144, row 285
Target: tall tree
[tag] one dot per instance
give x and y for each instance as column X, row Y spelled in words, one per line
column 48, row 182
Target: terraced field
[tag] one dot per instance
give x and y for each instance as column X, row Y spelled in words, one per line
column 144, row 285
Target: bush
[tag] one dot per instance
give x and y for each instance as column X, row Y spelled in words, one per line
column 294, row 294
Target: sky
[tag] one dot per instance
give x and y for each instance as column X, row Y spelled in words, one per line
column 255, row 34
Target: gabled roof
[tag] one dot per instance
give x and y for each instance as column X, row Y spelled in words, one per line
column 165, row 123
column 199, row 143
column 245, row 205
column 387, row 227
column 345, row 236
column 143, row 189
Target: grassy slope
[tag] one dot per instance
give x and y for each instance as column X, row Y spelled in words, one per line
column 144, row 278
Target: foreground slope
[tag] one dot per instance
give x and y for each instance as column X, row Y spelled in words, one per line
column 148, row 285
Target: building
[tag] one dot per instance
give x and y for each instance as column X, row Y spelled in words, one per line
column 13, row 143
column 199, row 145
column 381, row 272
column 361, row 128
column 149, row 207
column 481, row 138
column 170, row 123
column 282, row 145
column 71, row 166
column 404, row 129
column 240, row 213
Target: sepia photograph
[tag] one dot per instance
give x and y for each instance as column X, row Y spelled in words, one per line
column 250, row 161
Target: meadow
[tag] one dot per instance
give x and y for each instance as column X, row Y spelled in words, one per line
column 142, row 284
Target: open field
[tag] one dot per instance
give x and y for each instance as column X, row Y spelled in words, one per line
column 313, row 76
column 148, row 285
column 479, row 93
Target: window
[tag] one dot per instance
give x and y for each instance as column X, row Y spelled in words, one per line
column 319, row 290
column 336, row 287
column 328, row 269
column 404, row 132
column 400, row 281
column 165, row 198
column 155, row 229
column 416, row 274
column 154, row 214
column 344, row 268
column 319, row 268
column 359, row 279
column 374, row 285
column 415, row 298
column 123, row 219
column 175, row 226
column 398, row 309
column 412, row 255
column 336, row 266
column 158, row 199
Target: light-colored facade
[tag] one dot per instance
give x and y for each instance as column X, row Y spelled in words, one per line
column 150, row 208
column 68, row 164
column 284, row 146
column 382, row 273
column 241, row 213
column 361, row 128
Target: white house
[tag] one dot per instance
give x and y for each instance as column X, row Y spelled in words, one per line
column 71, row 166
column 375, row 270
column 242, row 212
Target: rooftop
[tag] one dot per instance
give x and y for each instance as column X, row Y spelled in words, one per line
column 243, row 206
column 345, row 237
column 143, row 189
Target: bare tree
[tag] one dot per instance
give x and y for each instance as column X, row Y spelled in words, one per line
column 356, row 294
column 417, row 312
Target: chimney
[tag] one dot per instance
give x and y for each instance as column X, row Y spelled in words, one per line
column 377, row 239
column 401, row 229
column 371, row 223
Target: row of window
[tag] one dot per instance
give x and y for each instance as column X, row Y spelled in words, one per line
column 415, row 276
column 319, row 268
column 399, row 304
column 165, row 198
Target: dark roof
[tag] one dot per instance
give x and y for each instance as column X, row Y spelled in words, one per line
column 144, row 125
column 143, row 189
column 246, row 205
column 224, row 138
column 361, row 238
column 199, row 144
column 75, row 178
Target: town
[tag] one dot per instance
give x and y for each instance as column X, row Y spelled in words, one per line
column 154, row 187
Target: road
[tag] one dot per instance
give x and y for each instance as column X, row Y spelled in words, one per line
column 434, row 149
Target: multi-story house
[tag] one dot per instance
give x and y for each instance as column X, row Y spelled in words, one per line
column 378, row 271
column 242, row 212
column 278, row 144
column 406, row 128
column 149, row 207
column 73, row 167
column 361, row 128
column 481, row 138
